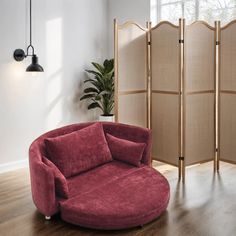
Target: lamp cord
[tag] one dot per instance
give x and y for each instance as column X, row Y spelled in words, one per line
column 30, row 22
column 30, row 45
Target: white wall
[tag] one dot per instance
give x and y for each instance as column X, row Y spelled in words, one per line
column 124, row 10
column 67, row 35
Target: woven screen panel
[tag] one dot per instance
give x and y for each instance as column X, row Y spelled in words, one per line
column 228, row 100
column 228, row 58
column 132, row 75
column 199, row 58
column 165, row 128
column 132, row 58
column 228, row 128
column 133, row 109
column 165, row 58
column 165, row 106
column 199, row 108
column 199, row 145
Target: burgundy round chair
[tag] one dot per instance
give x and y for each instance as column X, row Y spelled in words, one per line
column 116, row 194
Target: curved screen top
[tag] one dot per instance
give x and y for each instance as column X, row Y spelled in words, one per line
column 202, row 23
column 129, row 23
column 228, row 25
column 164, row 22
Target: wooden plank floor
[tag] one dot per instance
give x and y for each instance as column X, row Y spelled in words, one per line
column 204, row 206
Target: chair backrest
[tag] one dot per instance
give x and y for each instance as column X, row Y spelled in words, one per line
column 132, row 133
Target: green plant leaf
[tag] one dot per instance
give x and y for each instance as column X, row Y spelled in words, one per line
column 99, row 67
column 105, row 93
column 94, row 105
column 94, row 73
column 88, row 80
column 108, row 65
column 101, row 89
column 109, row 75
column 98, row 98
column 86, row 96
column 91, row 90
column 97, row 85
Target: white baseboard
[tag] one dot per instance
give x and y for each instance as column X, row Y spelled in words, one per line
column 13, row 166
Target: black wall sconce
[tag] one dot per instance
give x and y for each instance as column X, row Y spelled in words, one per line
column 20, row 55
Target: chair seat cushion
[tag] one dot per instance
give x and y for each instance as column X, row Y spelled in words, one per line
column 131, row 200
column 97, row 177
column 79, row 151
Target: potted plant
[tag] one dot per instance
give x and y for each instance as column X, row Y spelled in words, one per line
column 100, row 92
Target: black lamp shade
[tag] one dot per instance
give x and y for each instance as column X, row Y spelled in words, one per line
column 34, row 66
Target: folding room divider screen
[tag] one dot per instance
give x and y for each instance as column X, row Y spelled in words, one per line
column 227, row 93
column 178, row 80
column 165, row 90
column 131, row 100
column 199, row 92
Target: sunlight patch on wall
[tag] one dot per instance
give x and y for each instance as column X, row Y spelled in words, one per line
column 54, row 46
column 54, row 72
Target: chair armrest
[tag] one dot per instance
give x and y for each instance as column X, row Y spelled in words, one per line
column 43, row 188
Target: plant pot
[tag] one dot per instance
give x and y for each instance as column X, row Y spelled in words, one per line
column 108, row 118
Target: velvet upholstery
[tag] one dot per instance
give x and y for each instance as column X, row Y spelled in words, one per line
column 128, row 201
column 125, row 150
column 61, row 185
column 114, row 195
column 98, row 177
column 43, row 188
column 79, row 151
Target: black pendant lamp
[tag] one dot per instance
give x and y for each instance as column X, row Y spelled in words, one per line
column 20, row 55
